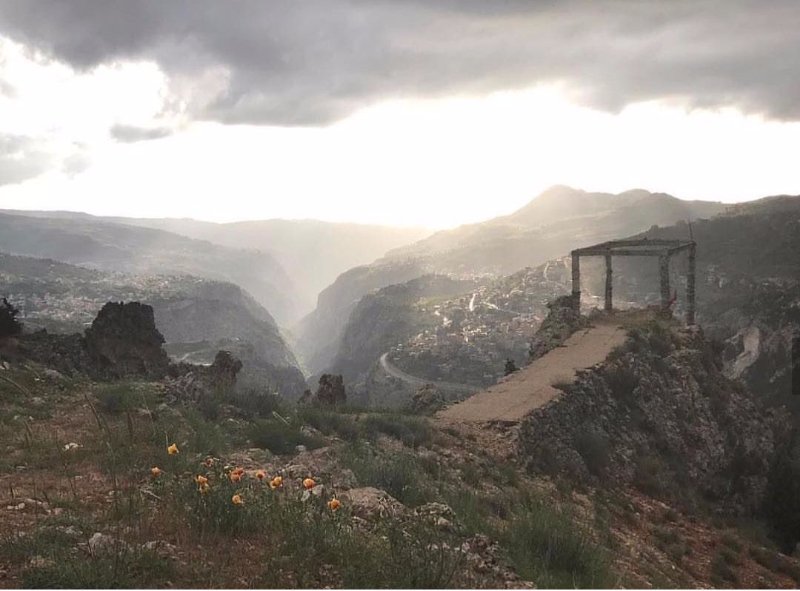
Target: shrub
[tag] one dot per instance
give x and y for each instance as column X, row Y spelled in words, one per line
column 622, row 380
column 9, row 325
column 595, row 449
column 115, row 398
column 412, row 431
column 546, row 546
column 330, row 422
column 722, row 571
column 279, row 437
column 258, row 403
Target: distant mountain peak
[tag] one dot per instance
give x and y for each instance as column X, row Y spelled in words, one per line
column 559, row 191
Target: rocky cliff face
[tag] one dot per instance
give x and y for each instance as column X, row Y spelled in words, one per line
column 659, row 414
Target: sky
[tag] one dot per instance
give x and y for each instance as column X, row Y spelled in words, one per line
column 396, row 112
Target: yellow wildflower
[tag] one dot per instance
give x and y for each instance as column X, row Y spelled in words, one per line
column 201, row 480
column 237, row 500
column 309, row 483
column 334, row 504
column 276, row 482
column 172, row 449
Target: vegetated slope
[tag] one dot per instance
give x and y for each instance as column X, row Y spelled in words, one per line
column 555, row 222
column 196, row 316
column 659, row 414
column 92, row 242
column 418, row 504
column 312, row 252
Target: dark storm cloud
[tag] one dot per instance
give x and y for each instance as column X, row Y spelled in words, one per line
column 311, row 62
column 132, row 133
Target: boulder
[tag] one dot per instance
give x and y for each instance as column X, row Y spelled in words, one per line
column 371, row 503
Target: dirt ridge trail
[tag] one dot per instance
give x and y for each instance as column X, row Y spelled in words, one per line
column 510, row 400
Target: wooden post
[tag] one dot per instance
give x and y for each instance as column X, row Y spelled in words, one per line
column 576, row 281
column 690, row 286
column 663, row 268
column 609, row 274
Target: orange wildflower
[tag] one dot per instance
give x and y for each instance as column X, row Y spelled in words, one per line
column 201, row 480
column 334, row 504
column 276, row 482
column 172, row 449
column 155, row 471
column 261, row 475
column 309, row 483
column 237, row 500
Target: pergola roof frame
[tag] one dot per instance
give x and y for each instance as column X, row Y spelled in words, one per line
column 662, row 248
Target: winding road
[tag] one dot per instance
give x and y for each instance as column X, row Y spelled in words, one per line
column 417, row 382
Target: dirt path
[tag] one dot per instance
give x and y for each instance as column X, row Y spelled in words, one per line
column 532, row 386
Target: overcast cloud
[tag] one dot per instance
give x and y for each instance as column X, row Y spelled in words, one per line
column 290, row 62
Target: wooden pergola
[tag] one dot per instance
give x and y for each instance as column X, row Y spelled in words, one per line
column 663, row 249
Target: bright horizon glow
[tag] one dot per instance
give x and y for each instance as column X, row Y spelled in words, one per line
column 434, row 163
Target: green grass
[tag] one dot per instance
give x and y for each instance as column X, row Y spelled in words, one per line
column 128, row 569
column 401, row 475
column 410, row 430
column 546, row 546
column 408, row 556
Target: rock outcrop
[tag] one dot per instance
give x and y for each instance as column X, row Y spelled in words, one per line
column 427, row 399
column 330, row 391
column 123, row 341
column 196, row 383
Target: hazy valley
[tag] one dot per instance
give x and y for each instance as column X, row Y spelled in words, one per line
column 386, row 413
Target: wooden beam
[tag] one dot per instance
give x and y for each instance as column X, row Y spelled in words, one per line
column 576, row 280
column 690, row 286
column 623, row 252
column 614, row 244
column 609, row 276
column 663, row 272
column 680, row 248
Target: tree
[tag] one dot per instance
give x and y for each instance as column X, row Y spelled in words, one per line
column 511, row 367
column 9, row 325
